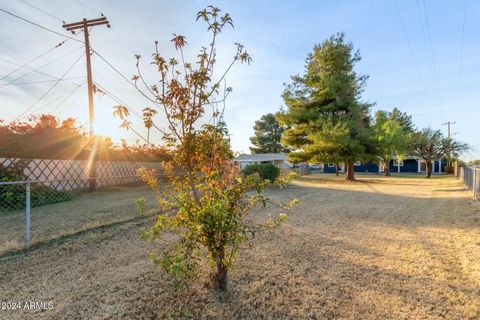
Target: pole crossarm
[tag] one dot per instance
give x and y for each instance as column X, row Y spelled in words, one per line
column 88, row 23
column 449, row 123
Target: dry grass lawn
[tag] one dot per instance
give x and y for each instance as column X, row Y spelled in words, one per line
column 84, row 212
column 380, row 248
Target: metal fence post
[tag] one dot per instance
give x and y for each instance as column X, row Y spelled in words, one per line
column 27, row 215
column 474, row 184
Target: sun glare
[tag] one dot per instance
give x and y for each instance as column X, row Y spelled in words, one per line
column 107, row 125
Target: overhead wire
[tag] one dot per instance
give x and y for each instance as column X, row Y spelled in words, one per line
column 34, row 59
column 410, row 47
column 114, row 69
column 424, row 37
column 460, row 65
column 26, row 67
column 40, row 26
column 87, row 6
column 129, row 108
column 40, row 81
column 50, row 88
column 65, row 95
column 41, row 67
column 429, row 38
column 42, row 11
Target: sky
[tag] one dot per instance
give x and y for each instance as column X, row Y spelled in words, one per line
column 420, row 56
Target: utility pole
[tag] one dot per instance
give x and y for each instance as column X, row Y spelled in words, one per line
column 449, row 161
column 85, row 25
column 448, row 123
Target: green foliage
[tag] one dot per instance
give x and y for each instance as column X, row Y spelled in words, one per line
column 266, row 171
column 268, row 133
column 431, row 145
column 326, row 119
column 392, row 133
column 14, row 172
column 205, row 202
column 475, row 162
column 12, row 196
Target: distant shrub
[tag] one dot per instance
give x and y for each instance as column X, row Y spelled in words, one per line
column 12, row 196
column 266, row 171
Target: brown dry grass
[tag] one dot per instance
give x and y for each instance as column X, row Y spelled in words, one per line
column 380, row 248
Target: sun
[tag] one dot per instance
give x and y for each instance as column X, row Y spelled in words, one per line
column 106, row 124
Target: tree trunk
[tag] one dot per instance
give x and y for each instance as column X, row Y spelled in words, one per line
column 219, row 279
column 336, row 169
column 386, row 169
column 350, row 172
column 429, row 169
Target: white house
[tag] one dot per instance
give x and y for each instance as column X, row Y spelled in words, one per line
column 278, row 159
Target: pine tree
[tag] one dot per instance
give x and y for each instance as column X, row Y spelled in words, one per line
column 267, row 135
column 326, row 117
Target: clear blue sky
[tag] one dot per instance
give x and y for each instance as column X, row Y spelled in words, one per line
column 426, row 67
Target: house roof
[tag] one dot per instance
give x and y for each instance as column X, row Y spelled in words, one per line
column 261, row 157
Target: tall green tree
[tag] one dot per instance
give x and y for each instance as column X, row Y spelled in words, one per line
column 325, row 116
column 392, row 131
column 268, row 133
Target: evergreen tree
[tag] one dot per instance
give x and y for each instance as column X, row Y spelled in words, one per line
column 325, row 116
column 267, row 135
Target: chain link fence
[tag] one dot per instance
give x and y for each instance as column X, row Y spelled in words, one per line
column 470, row 177
column 37, row 211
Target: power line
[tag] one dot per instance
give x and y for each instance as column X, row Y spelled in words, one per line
column 133, row 111
column 461, row 44
column 49, row 89
column 118, row 100
column 68, row 94
column 41, row 81
column 119, row 37
column 65, row 95
column 87, row 6
column 410, row 46
column 34, row 59
column 42, row 11
column 31, row 69
column 429, row 37
column 425, row 40
column 121, row 102
column 40, row 26
column 41, row 67
column 113, row 68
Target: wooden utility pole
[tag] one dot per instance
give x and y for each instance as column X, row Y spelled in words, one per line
column 448, row 123
column 85, row 25
column 449, row 168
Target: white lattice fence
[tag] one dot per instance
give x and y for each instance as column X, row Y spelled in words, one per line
column 122, row 172
column 68, row 174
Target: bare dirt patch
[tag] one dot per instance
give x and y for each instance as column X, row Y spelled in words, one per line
column 381, row 248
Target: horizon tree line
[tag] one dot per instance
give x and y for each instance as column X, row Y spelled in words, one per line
column 327, row 121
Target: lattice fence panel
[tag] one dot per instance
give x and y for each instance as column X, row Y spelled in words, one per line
column 113, row 173
column 72, row 174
